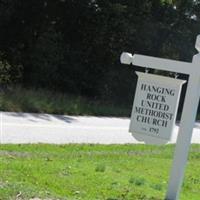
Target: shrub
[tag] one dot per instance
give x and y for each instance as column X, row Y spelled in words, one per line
column 9, row 74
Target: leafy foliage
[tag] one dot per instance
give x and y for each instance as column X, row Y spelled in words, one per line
column 8, row 73
column 74, row 46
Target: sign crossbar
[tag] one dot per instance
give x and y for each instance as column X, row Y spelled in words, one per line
column 162, row 64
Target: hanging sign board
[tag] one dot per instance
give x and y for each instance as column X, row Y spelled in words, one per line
column 155, row 108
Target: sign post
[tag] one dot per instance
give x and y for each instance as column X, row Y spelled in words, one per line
column 189, row 109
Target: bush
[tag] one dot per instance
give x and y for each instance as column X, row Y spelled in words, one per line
column 46, row 60
column 9, row 74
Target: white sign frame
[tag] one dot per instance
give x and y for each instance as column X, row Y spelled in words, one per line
column 189, row 109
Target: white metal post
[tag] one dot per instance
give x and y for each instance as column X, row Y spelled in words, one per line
column 184, row 135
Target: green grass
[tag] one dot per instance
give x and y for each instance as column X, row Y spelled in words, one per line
column 93, row 172
column 43, row 101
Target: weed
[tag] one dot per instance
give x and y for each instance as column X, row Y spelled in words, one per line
column 137, row 181
column 100, row 168
column 157, row 187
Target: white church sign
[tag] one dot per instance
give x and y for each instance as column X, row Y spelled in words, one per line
column 147, row 126
column 155, row 107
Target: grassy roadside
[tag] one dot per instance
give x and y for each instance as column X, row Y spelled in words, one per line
column 42, row 101
column 92, row 172
column 19, row 99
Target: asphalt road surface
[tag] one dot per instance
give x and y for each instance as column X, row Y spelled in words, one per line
column 57, row 129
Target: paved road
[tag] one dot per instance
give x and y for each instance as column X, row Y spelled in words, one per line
column 57, row 129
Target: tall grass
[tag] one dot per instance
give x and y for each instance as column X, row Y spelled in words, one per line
column 19, row 99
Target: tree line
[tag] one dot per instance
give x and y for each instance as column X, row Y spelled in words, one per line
column 74, row 46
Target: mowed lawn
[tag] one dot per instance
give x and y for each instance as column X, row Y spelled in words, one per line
column 93, row 172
